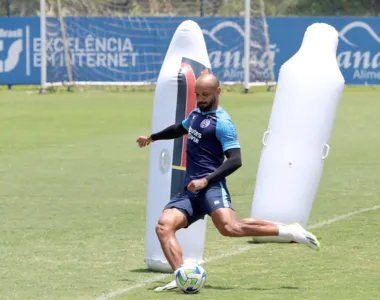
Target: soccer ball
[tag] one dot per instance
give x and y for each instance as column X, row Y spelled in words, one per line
column 190, row 277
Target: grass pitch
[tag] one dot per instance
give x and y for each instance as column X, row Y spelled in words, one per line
column 73, row 190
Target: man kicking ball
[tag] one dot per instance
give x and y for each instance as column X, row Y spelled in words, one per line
column 211, row 137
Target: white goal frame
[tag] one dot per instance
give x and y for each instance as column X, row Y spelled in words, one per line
column 248, row 64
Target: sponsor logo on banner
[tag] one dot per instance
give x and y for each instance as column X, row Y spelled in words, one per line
column 356, row 53
column 89, row 51
column 116, row 50
column 12, row 43
column 229, row 57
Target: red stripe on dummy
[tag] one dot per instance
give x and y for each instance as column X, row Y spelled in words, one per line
column 190, row 103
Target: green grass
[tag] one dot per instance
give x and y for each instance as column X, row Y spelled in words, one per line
column 73, row 187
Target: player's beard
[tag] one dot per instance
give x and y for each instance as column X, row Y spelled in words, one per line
column 208, row 106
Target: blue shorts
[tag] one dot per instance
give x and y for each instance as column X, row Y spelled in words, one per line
column 196, row 206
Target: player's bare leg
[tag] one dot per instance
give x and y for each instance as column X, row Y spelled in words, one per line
column 170, row 221
column 225, row 221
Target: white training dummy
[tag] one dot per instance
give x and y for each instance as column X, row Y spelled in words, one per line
column 309, row 89
column 185, row 60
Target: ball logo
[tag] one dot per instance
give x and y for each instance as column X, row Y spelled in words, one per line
column 205, row 123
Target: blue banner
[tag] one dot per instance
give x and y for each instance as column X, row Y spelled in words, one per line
column 112, row 49
column 358, row 52
column 17, row 55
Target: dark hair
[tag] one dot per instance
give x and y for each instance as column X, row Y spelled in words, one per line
column 217, row 83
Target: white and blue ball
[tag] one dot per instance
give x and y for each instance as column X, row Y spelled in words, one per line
column 190, row 277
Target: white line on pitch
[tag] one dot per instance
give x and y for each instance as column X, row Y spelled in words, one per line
column 342, row 217
column 233, row 253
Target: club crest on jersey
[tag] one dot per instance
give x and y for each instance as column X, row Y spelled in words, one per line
column 205, row 123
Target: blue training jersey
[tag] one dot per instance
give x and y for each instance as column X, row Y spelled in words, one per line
column 210, row 134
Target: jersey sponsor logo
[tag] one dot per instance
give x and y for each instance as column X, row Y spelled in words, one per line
column 194, row 135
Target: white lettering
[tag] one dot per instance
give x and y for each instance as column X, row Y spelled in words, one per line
column 194, row 135
column 127, row 45
column 193, row 138
column 91, row 60
column 49, row 45
column 262, row 61
column 89, row 44
column 215, row 58
column 235, row 59
column 123, row 60
column 71, row 43
column 80, row 56
column 37, row 45
column 233, row 74
column 358, row 60
column 358, row 57
column 363, row 74
column 58, row 45
column 376, row 61
column 232, row 56
column 112, row 60
column 134, row 57
column 91, row 52
column 77, row 46
column 10, row 33
column 101, row 60
column 112, row 45
column 344, row 59
column 52, row 60
column 37, row 59
column 101, row 45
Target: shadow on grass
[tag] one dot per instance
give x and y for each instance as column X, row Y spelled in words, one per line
column 226, row 288
column 145, row 270
column 207, row 286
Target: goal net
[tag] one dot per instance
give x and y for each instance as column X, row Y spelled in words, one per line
column 124, row 42
column 259, row 68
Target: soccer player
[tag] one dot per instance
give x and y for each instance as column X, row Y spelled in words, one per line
column 211, row 136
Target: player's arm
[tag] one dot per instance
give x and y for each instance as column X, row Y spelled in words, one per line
column 230, row 165
column 226, row 134
column 172, row 132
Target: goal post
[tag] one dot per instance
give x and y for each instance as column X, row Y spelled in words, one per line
column 123, row 43
column 258, row 62
column 43, row 45
column 247, row 42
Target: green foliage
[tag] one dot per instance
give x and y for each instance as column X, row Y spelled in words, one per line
column 193, row 8
column 335, row 8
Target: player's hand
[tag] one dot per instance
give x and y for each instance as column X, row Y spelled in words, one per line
column 143, row 141
column 197, row 184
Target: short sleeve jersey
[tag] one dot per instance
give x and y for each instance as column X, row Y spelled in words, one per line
column 210, row 134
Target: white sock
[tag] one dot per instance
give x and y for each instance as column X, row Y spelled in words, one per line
column 285, row 232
